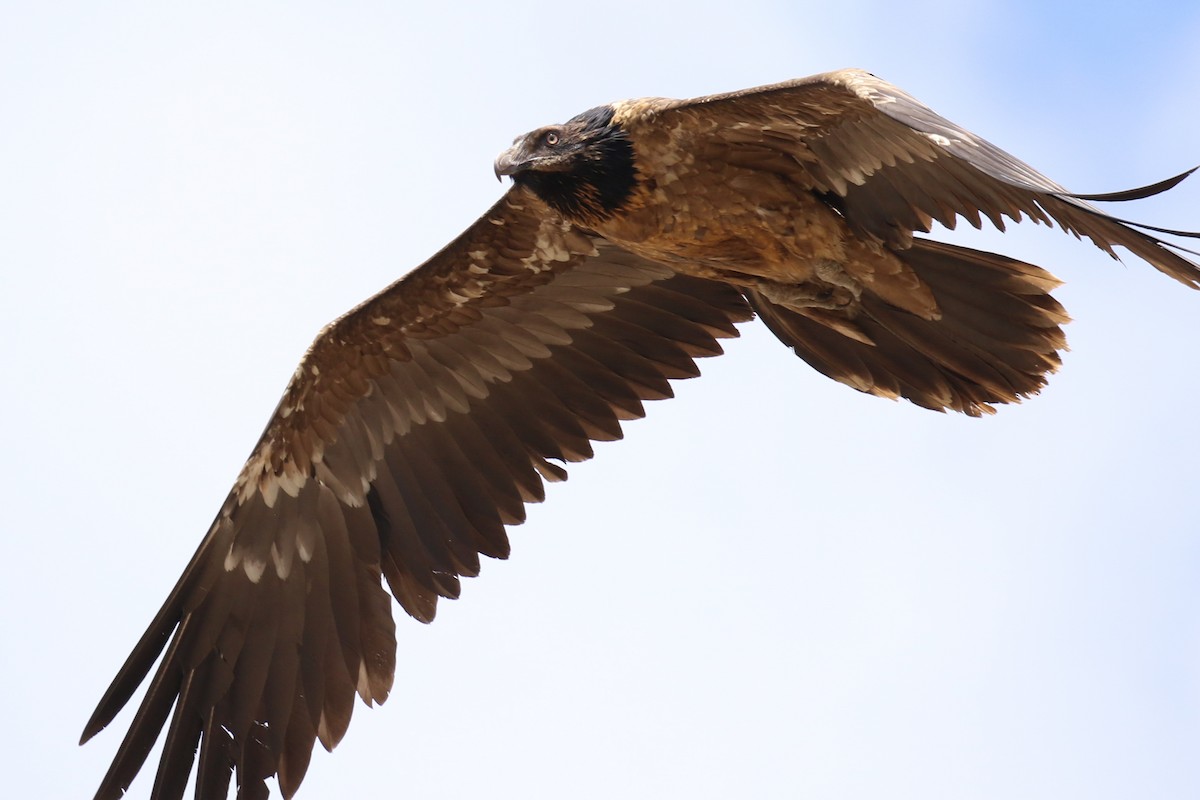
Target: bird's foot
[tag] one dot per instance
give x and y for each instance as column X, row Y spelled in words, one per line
column 799, row 296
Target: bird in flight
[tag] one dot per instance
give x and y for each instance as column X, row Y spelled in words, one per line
column 634, row 237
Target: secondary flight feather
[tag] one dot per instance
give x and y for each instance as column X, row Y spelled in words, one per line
column 635, row 236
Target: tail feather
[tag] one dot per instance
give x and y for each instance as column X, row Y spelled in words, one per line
column 995, row 341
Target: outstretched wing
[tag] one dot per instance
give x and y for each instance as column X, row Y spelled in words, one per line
column 891, row 165
column 414, row 430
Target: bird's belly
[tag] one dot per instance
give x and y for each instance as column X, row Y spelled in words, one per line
column 738, row 237
column 786, row 245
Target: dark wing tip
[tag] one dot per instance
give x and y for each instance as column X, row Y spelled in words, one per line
column 1140, row 192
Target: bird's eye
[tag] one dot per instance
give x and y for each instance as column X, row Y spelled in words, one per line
column 551, row 138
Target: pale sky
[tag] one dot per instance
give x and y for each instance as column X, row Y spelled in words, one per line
column 775, row 586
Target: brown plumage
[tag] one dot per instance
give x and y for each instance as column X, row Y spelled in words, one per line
column 635, row 237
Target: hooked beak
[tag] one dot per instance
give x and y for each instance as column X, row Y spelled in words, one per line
column 510, row 162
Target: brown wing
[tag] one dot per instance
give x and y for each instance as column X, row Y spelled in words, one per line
column 414, row 430
column 943, row 326
column 891, row 165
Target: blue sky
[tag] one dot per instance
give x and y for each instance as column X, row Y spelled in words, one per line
column 775, row 586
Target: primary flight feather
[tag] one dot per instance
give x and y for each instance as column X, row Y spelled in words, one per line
column 634, row 237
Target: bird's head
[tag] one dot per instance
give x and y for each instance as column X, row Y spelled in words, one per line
column 583, row 168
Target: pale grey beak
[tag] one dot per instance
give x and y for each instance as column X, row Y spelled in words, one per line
column 510, row 162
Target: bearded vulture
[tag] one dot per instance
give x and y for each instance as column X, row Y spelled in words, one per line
column 634, row 237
